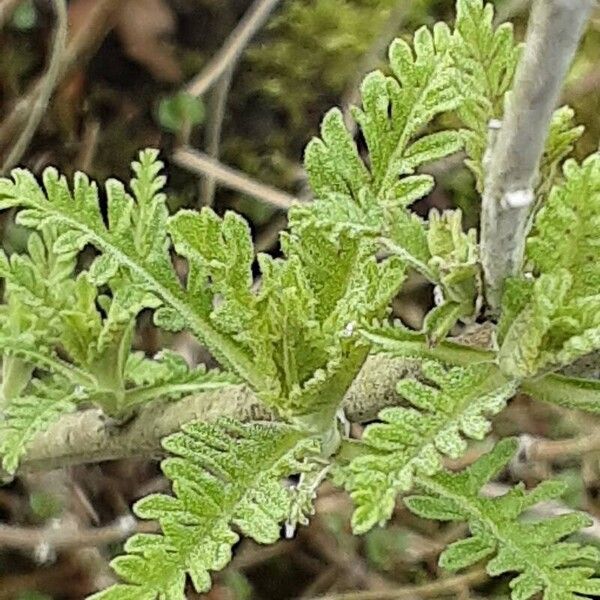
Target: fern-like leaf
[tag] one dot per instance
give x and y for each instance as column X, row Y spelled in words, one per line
column 29, row 414
column 135, row 239
column 561, row 570
column 227, row 478
column 486, row 59
column 412, row 441
column 288, row 339
column 455, row 264
column 167, row 376
column 372, row 202
column 556, row 320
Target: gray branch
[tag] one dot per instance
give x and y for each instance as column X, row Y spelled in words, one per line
column 87, row 436
column 555, row 28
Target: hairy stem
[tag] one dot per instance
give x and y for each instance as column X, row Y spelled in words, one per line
column 229, row 53
column 88, row 436
column 554, row 32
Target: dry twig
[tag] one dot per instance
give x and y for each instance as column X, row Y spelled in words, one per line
column 548, row 450
column 199, row 162
column 229, row 53
column 80, row 47
column 47, row 86
column 442, row 587
column 59, row 539
column 214, row 127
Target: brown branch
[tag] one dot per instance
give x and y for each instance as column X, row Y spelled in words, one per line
column 81, row 46
column 31, row 538
column 47, row 86
column 214, row 128
column 443, row 587
column 230, row 52
column 547, row 450
column 199, row 162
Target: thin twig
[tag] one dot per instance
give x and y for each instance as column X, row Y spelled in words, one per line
column 214, row 128
column 535, row 449
column 443, row 587
column 199, row 162
column 229, row 53
column 47, row 88
column 58, row 539
column 88, row 146
column 554, row 32
column 81, row 45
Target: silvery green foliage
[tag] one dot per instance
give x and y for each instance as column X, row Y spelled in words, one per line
column 372, row 201
column 227, row 478
column 285, row 339
column 454, row 263
column 300, row 337
column 32, row 412
column 486, row 59
column 69, row 343
column 454, row 405
column 533, row 549
column 554, row 313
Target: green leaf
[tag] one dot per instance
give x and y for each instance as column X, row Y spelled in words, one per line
column 561, row 140
column 135, row 237
column 558, row 319
column 397, row 340
column 27, row 415
column 454, row 264
column 291, row 339
column 569, row 392
column 440, row 320
column 180, row 111
column 168, row 377
column 412, row 441
column 225, row 475
column 371, row 202
column 534, row 550
column 486, row 59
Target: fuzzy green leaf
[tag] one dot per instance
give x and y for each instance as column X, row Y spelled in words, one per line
column 135, row 237
column 486, row 59
column 371, row 201
column 412, row 441
column 225, row 475
column 168, row 377
column 559, row 322
column 532, row 549
column 293, row 340
column 29, row 414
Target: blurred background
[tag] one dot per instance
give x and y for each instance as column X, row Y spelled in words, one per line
column 245, row 84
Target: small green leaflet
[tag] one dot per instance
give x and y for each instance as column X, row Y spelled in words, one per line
column 534, row 550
